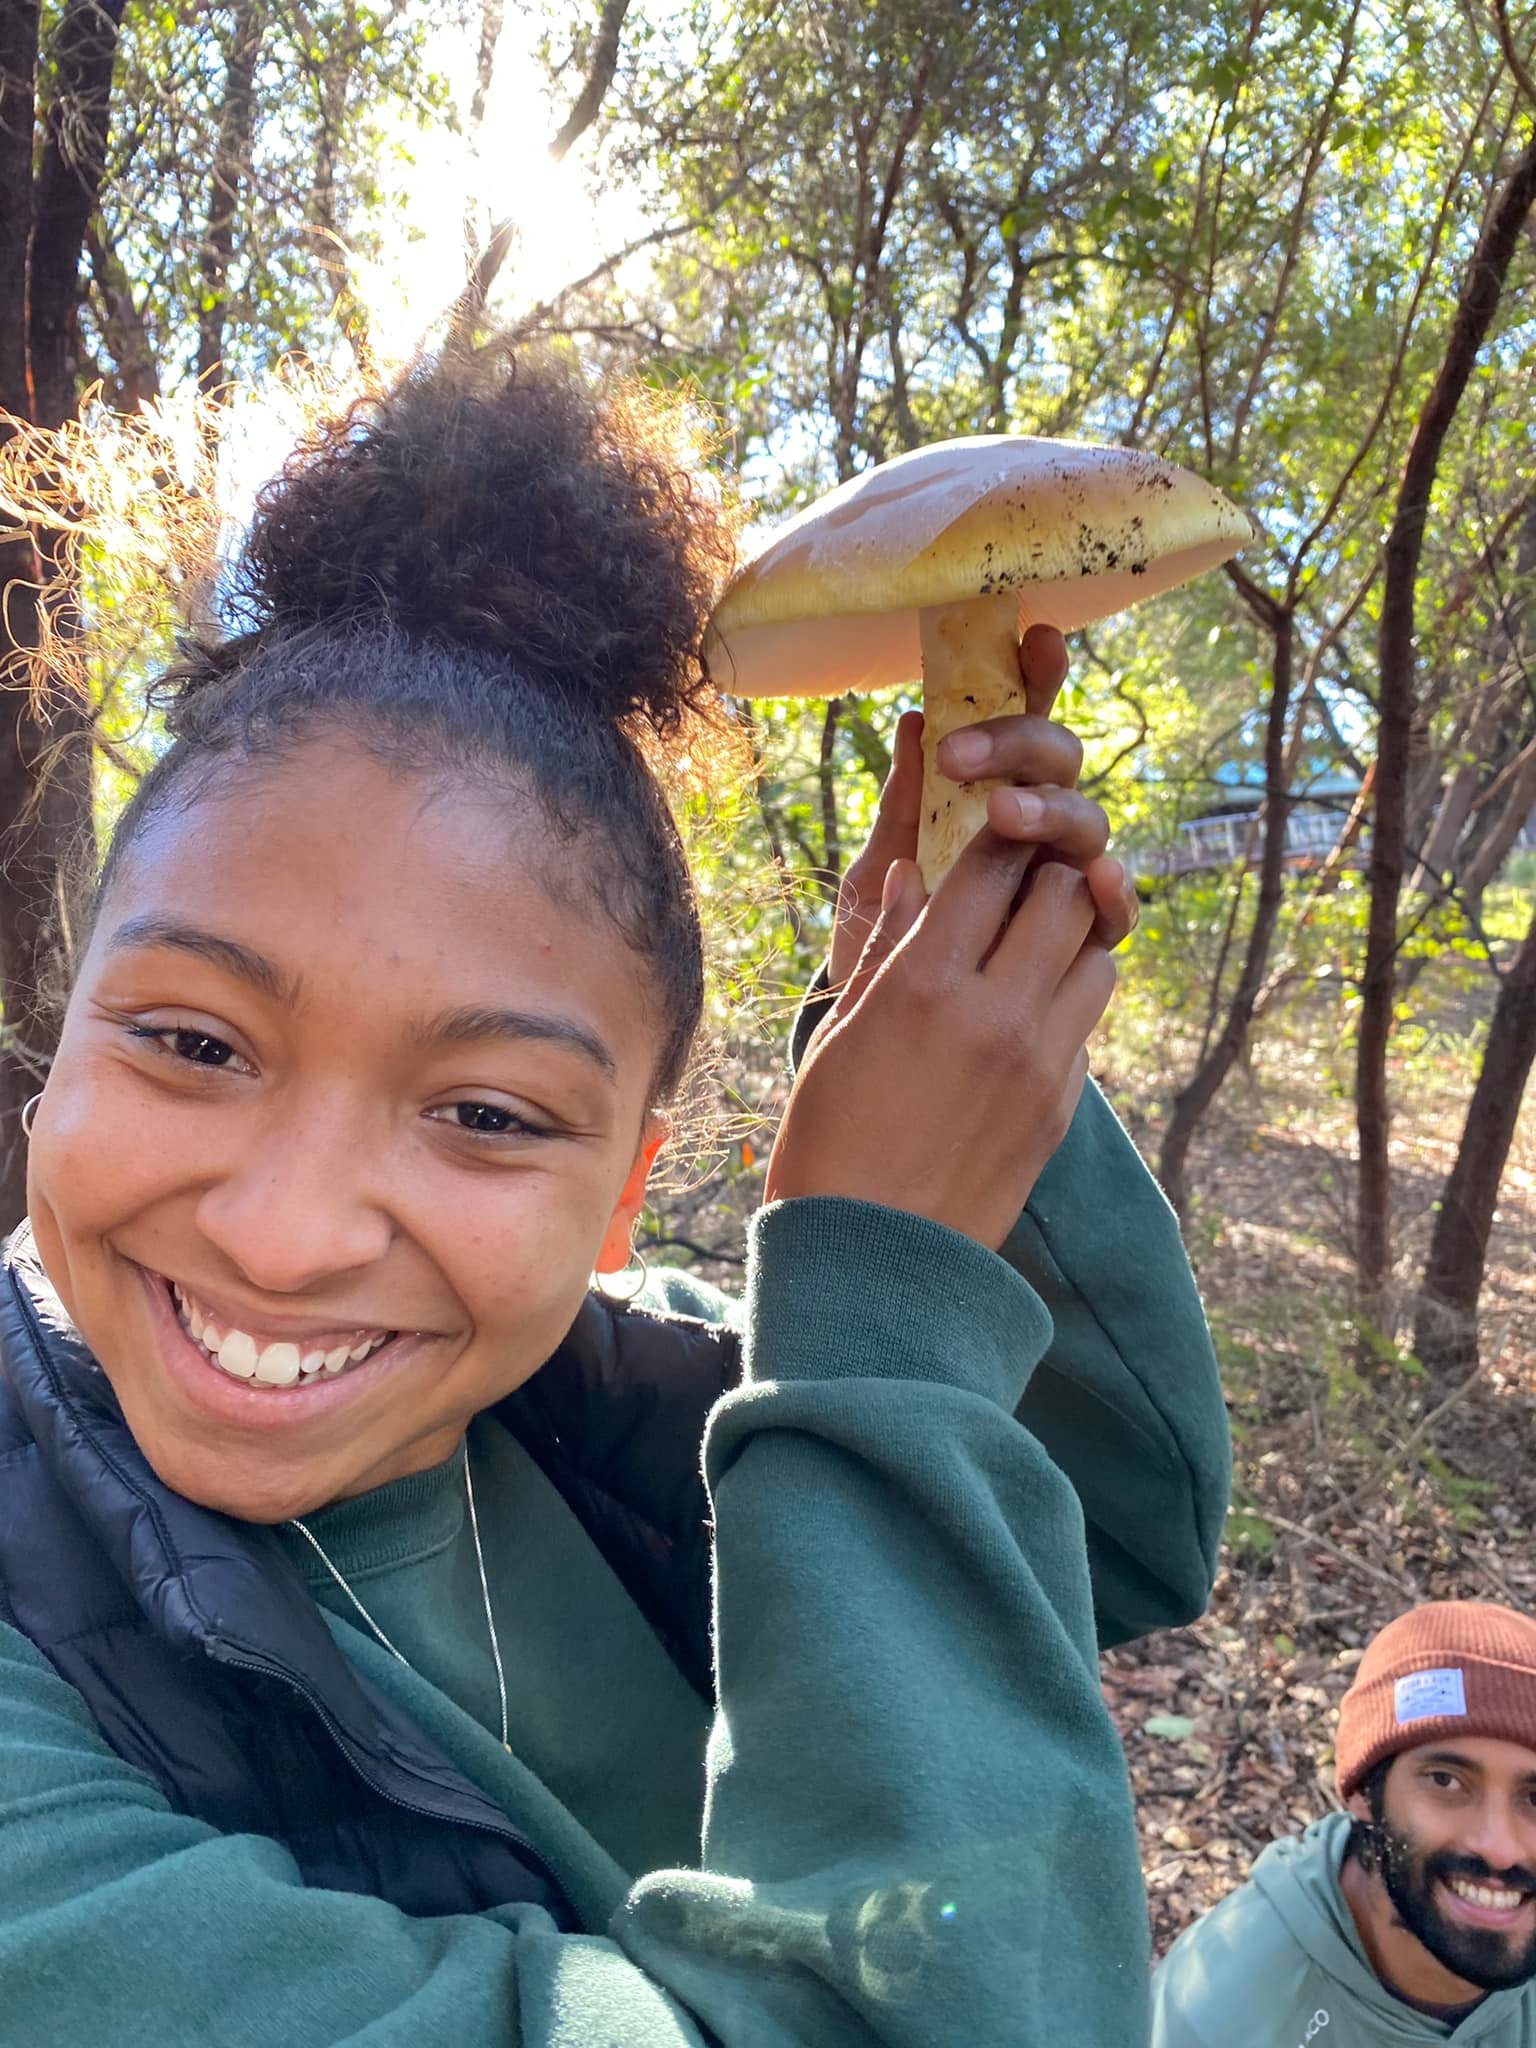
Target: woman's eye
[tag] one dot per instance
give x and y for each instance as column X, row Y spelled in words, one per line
column 197, row 1048
column 488, row 1120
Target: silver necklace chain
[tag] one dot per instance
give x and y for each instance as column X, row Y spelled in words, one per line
column 485, row 1593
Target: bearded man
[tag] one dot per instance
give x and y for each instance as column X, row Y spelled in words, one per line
column 1411, row 1916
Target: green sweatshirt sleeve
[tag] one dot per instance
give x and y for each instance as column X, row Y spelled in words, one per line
column 916, row 1816
column 1127, row 1398
column 925, row 1819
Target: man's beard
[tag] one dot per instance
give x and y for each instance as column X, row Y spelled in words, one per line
column 1478, row 1955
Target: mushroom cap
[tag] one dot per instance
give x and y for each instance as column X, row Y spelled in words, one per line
column 830, row 605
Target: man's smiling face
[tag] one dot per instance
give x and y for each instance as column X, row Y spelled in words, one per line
column 1451, row 1835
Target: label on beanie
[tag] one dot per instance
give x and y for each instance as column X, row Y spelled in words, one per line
column 1422, row 1695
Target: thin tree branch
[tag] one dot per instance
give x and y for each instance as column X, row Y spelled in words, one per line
column 1316, row 147
column 1394, row 374
column 826, row 783
column 123, row 326
column 538, row 318
column 491, row 14
column 605, row 62
column 1519, row 69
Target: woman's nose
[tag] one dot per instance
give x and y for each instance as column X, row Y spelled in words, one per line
column 299, row 1207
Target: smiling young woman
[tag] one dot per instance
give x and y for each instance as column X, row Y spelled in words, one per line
column 359, row 1671
column 356, row 1150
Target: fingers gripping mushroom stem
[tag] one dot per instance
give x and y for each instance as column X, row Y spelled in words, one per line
column 934, row 562
column 970, row 672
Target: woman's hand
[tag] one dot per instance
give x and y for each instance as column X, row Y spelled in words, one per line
column 1043, row 809
column 948, row 1071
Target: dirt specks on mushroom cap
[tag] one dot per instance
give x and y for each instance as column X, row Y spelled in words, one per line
column 969, row 517
column 1077, row 531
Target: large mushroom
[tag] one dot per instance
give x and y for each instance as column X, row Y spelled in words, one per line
column 935, row 563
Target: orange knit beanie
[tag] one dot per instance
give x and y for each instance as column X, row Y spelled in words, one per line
column 1453, row 1667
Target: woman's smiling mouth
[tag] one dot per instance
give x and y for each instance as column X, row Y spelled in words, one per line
column 298, row 1359
column 273, row 1362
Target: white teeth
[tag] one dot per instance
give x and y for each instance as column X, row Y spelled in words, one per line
column 1486, row 1896
column 237, row 1354
column 278, row 1365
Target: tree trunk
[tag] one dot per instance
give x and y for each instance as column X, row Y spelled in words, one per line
column 1476, row 821
column 1501, row 811
column 45, row 750
column 1516, row 804
column 83, row 53
column 1445, row 1337
column 45, row 792
column 1199, row 1092
column 18, row 84
column 1457, row 793
column 1481, row 289
column 231, row 163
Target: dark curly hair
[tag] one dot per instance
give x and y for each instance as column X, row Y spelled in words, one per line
column 489, row 566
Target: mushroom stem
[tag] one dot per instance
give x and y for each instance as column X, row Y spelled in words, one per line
column 970, row 672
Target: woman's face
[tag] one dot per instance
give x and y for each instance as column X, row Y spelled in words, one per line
column 339, row 1077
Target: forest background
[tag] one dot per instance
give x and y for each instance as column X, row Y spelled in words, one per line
column 1289, row 244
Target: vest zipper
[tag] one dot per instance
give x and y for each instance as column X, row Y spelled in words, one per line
column 504, row 1830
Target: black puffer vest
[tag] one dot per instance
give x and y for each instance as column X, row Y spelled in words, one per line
column 206, row 1662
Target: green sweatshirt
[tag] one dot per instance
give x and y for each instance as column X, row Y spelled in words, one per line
column 1279, row 1964
column 908, row 1822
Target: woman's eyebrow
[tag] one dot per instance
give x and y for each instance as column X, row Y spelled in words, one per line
column 229, row 954
column 472, row 1020
column 481, row 1020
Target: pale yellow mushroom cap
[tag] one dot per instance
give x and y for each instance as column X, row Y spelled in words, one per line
column 831, row 603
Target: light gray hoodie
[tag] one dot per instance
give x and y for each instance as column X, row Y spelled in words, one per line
column 1279, row 1965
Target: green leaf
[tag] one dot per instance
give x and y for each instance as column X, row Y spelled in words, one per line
column 1169, row 1727
column 1250, row 1532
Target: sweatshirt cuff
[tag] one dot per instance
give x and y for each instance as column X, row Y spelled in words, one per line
column 840, row 1289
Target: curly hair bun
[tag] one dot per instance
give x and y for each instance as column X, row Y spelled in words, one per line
column 490, row 499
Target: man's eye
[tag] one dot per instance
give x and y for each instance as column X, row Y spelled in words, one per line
column 197, row 1048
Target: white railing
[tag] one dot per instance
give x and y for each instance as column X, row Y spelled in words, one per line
column 1311, row 833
